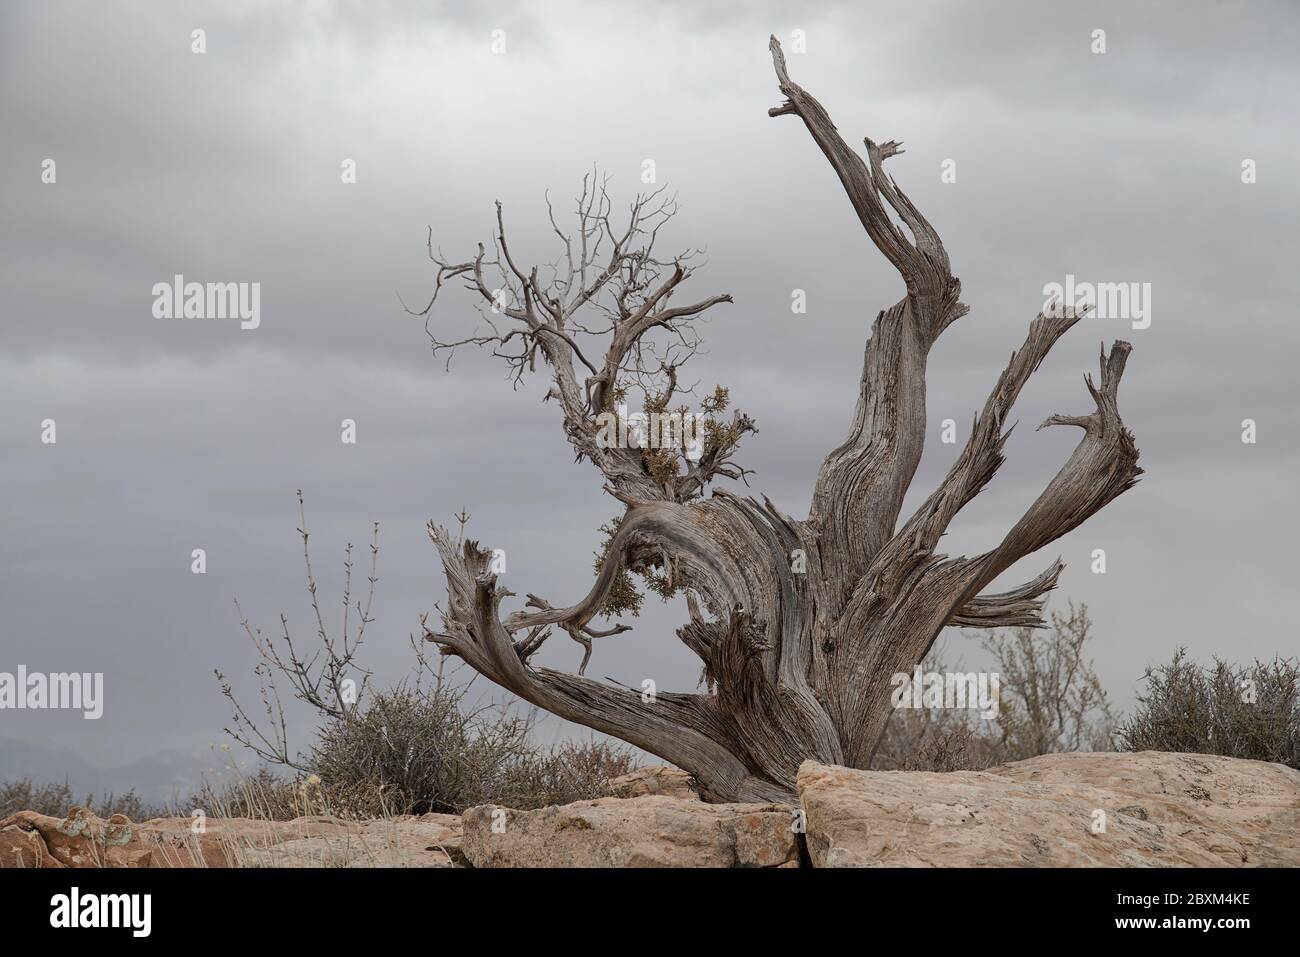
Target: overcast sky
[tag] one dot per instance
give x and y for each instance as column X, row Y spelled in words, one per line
column 174, row 435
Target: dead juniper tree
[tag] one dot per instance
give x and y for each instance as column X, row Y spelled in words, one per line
column 800, row 624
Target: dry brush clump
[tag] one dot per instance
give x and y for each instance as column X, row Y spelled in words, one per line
column 1050, row 700
column 262, row 795
column 57, row 798
column 414, row 752
column 422, row 746
column 1239, row 711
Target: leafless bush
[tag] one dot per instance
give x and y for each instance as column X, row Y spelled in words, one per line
column 330, row 680
column 568, row 772
column 1050, row 700
column 920, row 740
column 1241, row 711
column 936, row 739
column 423, row 746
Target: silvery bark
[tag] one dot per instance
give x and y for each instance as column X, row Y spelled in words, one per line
column 800, row 623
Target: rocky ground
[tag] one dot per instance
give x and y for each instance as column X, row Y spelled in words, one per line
column 1093, row 810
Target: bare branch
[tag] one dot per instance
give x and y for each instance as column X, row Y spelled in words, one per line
column 862, row 483
column 914, row 544
column 1103, row 466
column 680, row 727
column 931, row 288
column 1020, row 607
column 320, row 681
column 587, row 309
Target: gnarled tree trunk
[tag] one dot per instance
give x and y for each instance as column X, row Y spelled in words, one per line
column 800, row 624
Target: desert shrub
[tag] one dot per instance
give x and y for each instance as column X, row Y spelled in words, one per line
column 422, row 746
column 57, row 799
column 24, row 795
column 1240, row 711
column 568, row 772
column 1049, row 700
column 412, row 751
column 920, row 740
column 262, row 795
column 416, row 752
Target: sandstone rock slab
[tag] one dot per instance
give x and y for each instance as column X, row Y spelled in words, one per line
column 1148, row 809
column 645, row 831
column 28, row 839
column 657, row 779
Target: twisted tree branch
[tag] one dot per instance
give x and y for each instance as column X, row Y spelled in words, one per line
column 861, row 485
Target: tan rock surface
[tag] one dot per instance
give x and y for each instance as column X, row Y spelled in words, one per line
column 28, row 839
column 23, row 847
column 1159, row 809
column 645, row 831
column 658, row 779
column 431, row 840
